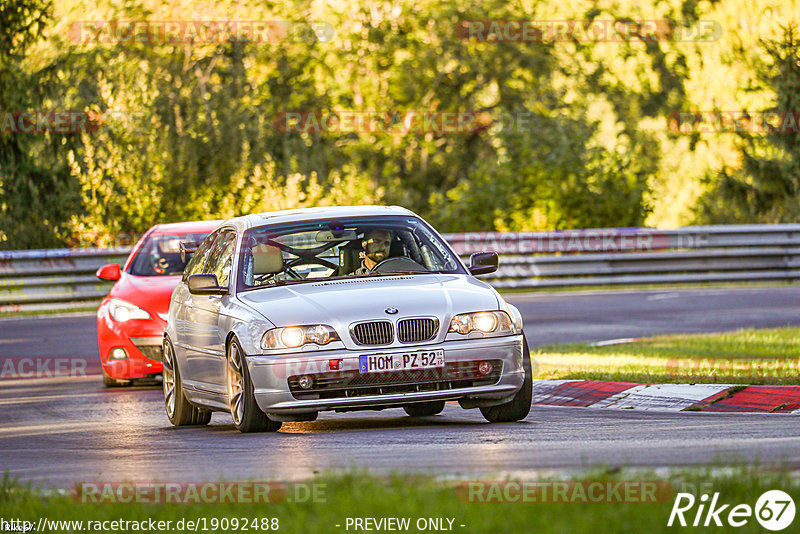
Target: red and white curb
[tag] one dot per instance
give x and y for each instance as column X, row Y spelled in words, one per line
column 669, row 397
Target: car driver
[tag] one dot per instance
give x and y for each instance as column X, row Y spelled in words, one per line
column 376, row 246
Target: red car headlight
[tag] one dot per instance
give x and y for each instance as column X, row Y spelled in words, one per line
column 122, row 311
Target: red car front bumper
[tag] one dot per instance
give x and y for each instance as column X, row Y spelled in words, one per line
column 139, row 338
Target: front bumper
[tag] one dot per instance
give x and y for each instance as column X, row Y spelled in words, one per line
column 141, row 339
column 137, row 364
column 271, row 374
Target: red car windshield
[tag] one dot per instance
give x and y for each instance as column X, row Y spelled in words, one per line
column 160, row 255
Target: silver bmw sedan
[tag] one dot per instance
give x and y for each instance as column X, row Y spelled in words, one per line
column 284, row 314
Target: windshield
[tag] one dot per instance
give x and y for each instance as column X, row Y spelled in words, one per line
column 160, row 255
column 342, row 248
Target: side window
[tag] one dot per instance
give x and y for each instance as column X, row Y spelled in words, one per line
column 220, row 260
column 195, row 265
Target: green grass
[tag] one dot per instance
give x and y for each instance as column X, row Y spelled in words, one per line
column 742, row 357
column 360, row 495
column 654, row 287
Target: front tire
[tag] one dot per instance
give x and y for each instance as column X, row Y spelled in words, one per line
column 247, row 416
column 518, row 407
column 111, row 382
column 424, row 409
column 179, row 411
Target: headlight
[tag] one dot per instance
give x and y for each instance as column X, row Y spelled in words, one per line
column 122, row 311
column 488, row 322
column 291, row 337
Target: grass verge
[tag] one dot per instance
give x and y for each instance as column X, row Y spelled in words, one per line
column 743, row 357
column 648, row 287
column 552, row 506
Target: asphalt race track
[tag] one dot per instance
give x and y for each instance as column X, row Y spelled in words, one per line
column 60, row 431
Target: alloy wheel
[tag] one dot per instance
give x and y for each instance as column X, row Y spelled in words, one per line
column 168, row 379
column 235, row 384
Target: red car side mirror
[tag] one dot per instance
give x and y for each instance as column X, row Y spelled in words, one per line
column 110, row 271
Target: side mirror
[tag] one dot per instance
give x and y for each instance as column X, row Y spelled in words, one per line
column 205, row 284
column 109, row 271
column 483, row 263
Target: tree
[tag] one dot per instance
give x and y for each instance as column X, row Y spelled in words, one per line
column 36, row 194
column 766, row 187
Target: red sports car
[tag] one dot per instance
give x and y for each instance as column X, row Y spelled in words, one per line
column 132, row 317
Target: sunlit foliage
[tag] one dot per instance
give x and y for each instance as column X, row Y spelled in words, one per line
column 568, row 133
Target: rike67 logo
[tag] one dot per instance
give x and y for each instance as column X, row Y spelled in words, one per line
column 774, row 510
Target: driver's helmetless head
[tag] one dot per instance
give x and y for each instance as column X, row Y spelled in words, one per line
column 377, row 244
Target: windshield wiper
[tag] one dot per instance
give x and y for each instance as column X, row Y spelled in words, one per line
column 292, row 281
column 393, row 273
column 375, row 274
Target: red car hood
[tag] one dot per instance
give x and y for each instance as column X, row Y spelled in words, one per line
column 151, row 293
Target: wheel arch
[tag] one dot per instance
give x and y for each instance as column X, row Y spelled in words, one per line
column 248, row 335
column 228, row 340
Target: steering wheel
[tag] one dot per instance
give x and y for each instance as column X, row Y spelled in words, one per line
column 288, row 268
column 311, row 260
column 399, row 263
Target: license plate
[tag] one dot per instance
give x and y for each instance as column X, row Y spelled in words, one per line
column 382, row 363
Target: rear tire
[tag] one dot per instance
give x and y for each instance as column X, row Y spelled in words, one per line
column 518, row 407
column 179, row 411
column 247, row 416
column 424, row 409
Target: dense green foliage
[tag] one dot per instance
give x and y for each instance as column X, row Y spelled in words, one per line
column 35, row 191
column 766, row 187
column 572, row 132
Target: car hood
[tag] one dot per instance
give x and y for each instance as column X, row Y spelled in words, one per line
column 151, row 293
column 339, row 303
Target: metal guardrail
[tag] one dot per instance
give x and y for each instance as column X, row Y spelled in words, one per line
column 51, row 279
column 33, row 280
column 624, row 256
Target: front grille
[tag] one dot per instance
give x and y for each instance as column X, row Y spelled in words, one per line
column 150, row 346
column 345, row 384
column 414, row 330
column 373, row 333
column 151, row 351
